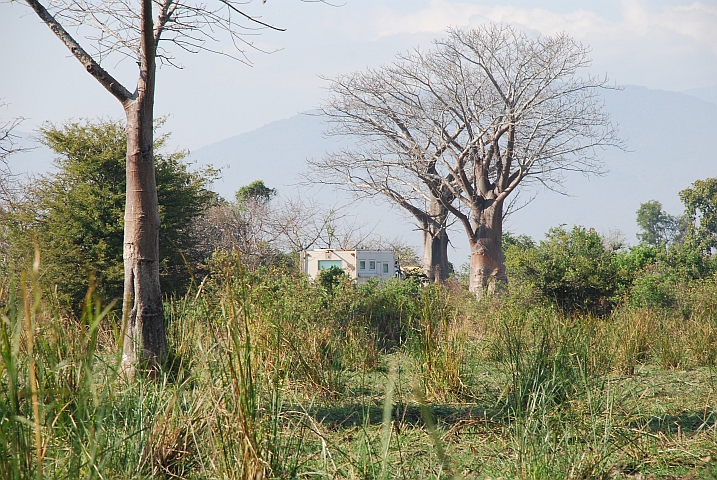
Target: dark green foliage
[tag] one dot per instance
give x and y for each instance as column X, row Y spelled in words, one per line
column 657, row 283
column 572, row 268
column 331, row 278
column 255, row 191
column 77, row 214
column 658, row 227
column 700, row 202
column 657, row 272
column 519, row 243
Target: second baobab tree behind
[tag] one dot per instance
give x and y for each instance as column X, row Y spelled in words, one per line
column 485, row 113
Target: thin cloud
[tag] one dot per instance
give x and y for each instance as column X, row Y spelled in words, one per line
column 696, row 23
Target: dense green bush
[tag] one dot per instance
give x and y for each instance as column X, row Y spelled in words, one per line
column 658, row 283
column 76, row 214
column 572, row 268
column 700, row 202
column 331, row 278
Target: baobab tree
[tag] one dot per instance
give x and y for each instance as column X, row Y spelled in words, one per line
column 471, row 122
column 144, row 31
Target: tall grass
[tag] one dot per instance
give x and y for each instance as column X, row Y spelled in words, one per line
column 55, row 406
column 558, row 400
column 273, row 376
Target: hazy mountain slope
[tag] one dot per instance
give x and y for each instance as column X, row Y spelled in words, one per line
column 275, row 153
column 670, row 136
column 671, row 142
column 708, row 94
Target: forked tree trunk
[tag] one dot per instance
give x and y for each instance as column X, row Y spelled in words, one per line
column 487, row 273
column 144, row 317
column 435, row 243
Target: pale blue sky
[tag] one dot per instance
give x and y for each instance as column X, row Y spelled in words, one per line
column 661, row 44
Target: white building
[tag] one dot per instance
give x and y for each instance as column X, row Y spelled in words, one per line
column 360, row 265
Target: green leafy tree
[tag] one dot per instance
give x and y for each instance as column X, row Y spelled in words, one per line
column 572, row 268
column 658, row 227
column 256, row 191
column 77, row 213
column 700, row 202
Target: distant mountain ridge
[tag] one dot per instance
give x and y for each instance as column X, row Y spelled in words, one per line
column 708, row 94
column 670, row 137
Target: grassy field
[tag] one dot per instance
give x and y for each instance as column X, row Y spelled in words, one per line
column 272, row 376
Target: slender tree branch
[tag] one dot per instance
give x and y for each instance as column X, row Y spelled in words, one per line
column 93, row 68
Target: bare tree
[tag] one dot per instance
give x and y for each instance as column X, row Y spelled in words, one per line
column 263, row 228
column 301, row 224
column 7, row 139
column 143, row 30
column 8, row 190
column 485, row 113
column 366, row 106
column 243, row 227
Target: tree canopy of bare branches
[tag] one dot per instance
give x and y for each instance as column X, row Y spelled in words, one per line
column 480, row 116
column 367, row 106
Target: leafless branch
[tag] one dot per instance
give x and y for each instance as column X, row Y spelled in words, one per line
column 113, row 27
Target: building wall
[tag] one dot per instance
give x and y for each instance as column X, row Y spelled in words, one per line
column 360, row 265
column 375, row 264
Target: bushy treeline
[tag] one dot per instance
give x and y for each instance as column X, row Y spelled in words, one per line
column 579, row 269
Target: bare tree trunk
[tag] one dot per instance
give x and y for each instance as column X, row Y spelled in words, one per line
column 142, row 308
column 435, row 256
column 144, row 330
column 487, row 273
column 435, row 243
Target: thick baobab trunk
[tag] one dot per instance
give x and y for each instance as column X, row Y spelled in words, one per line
column 435, row 243
column 144, row 327
column 487, row 274
column 435, row 256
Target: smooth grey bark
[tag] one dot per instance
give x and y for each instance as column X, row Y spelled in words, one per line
column 487, row 264
column 143, row 314
column 435, row 242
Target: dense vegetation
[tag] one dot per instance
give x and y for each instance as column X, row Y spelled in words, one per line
column 76, row 215
column 598, row 362
column 274, row 376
